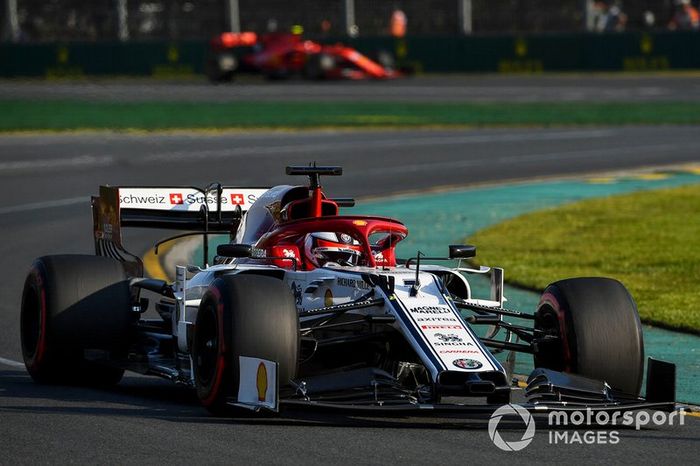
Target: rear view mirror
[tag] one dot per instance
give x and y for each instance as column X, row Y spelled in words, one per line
column 234, row 250
column 462, row 251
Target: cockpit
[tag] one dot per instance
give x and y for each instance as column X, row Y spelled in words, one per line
column 299, row 227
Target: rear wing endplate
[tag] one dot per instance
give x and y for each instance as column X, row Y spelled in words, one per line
column 214, row 209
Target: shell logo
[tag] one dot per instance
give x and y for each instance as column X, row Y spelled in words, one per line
column 328, row 298
column 262, row 381
column 359, row 223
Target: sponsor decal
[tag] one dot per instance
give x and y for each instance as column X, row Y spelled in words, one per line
column 328, row 298
column 176, row 198
column 465, row 363
column 133, row 199
column 436, row 319
column 288, row 253
column 431, row 310
column 352, row 283
column 184, row 198
column 197, row 198
column 452, row 343
column 441, row 327
column 448, row 338
column 458, row 351
column 345, row 238
column 257, row 383
column 261, row 382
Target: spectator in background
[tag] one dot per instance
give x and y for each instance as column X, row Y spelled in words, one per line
column 272, row 25
column 325, row 27
column 608, row 17
column 649, row 19
column 686, row 17
column 397, row 24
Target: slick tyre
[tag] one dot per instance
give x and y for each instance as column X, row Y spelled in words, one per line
column 598, row 332
column 71, row 303
column 242, row 315
column 384, row 58
column 318, row 65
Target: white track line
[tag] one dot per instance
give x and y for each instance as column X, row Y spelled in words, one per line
column 47, row 164
column 11, row 363
column 44, row 205
column 401, row 141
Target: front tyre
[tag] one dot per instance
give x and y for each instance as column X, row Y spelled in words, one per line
column 598, row 332
column 242, row 315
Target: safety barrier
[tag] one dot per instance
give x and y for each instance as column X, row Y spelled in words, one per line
column 638, row 51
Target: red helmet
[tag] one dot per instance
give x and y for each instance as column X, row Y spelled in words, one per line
column 324, row 248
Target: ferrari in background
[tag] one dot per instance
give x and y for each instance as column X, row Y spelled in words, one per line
column 286, row 55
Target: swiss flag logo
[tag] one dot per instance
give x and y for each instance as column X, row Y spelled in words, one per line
column 237, row 199
column 176, row 198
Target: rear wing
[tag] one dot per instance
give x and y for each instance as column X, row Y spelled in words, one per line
column 215, row 209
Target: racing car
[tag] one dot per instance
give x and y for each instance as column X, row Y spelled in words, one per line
column 305, row 307
column 284, row 55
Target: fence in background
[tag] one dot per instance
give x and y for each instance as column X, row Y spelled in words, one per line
column 139, row 20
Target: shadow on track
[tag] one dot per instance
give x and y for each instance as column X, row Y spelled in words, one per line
column 145, row 397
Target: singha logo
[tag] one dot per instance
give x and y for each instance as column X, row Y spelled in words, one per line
column 450, row 337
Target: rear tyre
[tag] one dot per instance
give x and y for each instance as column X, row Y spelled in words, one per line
column 220, row 68
column 384, row 58
column 242, row 315
column 71, row 303
column 318, row 65
column 598, row 329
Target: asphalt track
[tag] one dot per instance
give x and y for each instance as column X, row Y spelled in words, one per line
column 45, row 182
column 448, row 88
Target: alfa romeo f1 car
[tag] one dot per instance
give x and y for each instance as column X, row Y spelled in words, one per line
column 305, row 307
column 283, row 55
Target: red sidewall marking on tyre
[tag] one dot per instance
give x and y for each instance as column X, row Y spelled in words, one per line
column 220, row 360
column 40, row 349
column 561, row 317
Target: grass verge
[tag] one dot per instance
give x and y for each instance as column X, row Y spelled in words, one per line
column 648, row 240
column 28, row 115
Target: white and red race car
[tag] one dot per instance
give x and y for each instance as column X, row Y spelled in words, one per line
column 309, row 308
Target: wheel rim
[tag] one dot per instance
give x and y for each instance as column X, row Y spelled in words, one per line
column 206, row 346
column 553, row 355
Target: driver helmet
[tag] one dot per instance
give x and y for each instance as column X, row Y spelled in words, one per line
column 328, row 248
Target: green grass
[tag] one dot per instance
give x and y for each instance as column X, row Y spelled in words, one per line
column 27, row 115
column 648, row 240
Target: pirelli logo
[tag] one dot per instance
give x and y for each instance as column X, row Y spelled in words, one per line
column 441, row 327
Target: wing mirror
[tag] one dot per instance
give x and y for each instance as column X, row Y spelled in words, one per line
column 234, row 250
column 462, row 251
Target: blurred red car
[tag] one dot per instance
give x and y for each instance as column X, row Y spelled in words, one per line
column 284, row 55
